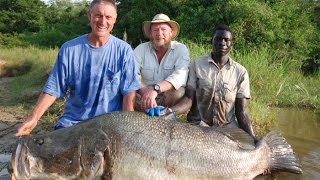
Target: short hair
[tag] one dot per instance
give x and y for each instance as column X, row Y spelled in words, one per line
column 112, row 2
column 221, row 27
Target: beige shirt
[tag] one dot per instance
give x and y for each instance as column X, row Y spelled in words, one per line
column 173, row 67
column 217, row 89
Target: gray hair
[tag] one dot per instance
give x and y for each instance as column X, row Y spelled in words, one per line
column 112, row 2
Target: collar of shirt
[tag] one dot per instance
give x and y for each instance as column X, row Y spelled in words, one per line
column 227, row 65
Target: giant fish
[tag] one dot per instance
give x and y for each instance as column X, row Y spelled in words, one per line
column 132, row 145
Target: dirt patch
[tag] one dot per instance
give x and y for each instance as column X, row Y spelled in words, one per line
column 8, row 125
column 9, row 121
column 4, row 92
column 11, row 118
column 12, row 69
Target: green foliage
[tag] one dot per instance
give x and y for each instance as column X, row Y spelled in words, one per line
column 276, row 80
column 132, row 13
column 197, row 18
column 264, row 66
column 65, row 20
column 287, row 26
column 196, row 49
column 53, row 36
column 9, row 41
column 37, row 24
column 21, row 15
column 253, row 23
column 291, row 27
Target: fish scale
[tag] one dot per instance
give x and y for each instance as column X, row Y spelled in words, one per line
column 132, row 145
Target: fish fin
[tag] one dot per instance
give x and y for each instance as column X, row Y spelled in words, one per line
column 108, row 163
column 244, row 140
column 170, row 116
column 282, row 156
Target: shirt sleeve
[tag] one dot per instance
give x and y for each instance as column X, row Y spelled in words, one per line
column 130, row 74
column 180, row 74
column 138, row 60
column 244, row 86
column 56, row 84
column 192, row 84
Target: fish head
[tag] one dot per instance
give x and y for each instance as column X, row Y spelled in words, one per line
column 65, row 153
column 36, row 157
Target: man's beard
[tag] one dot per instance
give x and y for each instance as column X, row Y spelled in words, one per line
column 157, row 46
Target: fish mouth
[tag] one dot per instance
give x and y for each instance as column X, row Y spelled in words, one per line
column 20, row 161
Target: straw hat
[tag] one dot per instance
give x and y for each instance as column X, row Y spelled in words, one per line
column 161, row 18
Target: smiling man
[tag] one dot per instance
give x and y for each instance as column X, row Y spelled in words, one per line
column 97, row 69
column 218, row 87
column 162, row 64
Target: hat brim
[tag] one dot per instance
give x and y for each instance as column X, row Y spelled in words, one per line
column 174, row 26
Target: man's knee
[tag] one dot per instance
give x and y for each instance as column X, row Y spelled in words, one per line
column 171, row 97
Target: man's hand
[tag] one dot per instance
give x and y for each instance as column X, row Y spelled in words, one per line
column 26, row 127
column 154, row 111
column 148, row 98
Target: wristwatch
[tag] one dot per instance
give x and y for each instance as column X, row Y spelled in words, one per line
column 156, row 87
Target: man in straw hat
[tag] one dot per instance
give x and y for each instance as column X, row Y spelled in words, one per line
column 162, row 64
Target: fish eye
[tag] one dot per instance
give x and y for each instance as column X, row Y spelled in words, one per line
column 39, row 141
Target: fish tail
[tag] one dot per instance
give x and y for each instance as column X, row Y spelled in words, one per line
column 282, row 156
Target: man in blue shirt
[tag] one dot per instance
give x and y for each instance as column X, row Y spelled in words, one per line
column 97, row 68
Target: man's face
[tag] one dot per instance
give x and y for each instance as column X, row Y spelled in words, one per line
column 102, row 17
column 222, row 42
column 160, row 35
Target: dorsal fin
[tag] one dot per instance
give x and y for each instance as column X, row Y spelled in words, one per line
column 243, row 139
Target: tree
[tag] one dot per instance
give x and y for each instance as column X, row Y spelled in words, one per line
column 21, row 15
column 132, row 13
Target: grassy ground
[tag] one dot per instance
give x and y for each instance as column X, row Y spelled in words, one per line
column 275, row 81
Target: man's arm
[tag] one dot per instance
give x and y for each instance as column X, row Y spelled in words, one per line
column 128, row 101
column 184, row 105
column 178, row 78
column 165, row 85
column 148, row 94
column 44, row 102
column 243, row 117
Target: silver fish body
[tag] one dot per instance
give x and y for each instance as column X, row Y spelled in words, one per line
column 132, row 145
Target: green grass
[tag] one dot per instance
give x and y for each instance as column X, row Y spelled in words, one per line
column 196, row 49
column 30, row 67
column 275, row 80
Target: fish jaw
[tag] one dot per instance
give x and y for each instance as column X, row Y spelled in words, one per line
column 21, row 161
